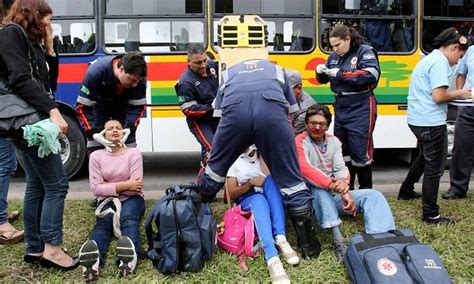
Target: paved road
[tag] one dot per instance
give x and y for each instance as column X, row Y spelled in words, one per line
column 164, row 170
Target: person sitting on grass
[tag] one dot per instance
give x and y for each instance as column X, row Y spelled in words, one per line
column 116, row 179
column 251, row 186
column 325, row 173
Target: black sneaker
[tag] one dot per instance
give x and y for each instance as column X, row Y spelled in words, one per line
column 452, row 195
column 89, row 260
column 126, row 255
column 409, row 195
column 439, row 220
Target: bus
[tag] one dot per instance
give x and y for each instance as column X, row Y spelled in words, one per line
column 400, row 30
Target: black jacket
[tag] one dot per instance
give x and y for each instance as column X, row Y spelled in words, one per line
column 15, row 67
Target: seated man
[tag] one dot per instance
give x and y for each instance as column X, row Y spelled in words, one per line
column 303, row 99
column 325, row 173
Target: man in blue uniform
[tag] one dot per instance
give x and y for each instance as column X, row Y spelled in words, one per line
column 196, row 89
column 114, row 87
column 255, row 98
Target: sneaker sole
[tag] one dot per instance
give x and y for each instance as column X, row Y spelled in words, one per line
column 88, row 257
column 125, row 254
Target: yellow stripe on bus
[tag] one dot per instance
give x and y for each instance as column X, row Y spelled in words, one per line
column 174, row 111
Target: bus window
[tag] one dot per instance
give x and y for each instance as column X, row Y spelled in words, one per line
column 290, row 24
column 153, row 7
column 73, row 26
column 442, row 14
column 153, row 26
column 395, row 33
column 65, row 8
column 149, row 36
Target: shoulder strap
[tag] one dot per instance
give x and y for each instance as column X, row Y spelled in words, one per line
column 153, row 217
column 31, row 54
column 249, row 236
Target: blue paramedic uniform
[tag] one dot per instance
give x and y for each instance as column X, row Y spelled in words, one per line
column 195, row 96
column 99, row 101
column 255, row 99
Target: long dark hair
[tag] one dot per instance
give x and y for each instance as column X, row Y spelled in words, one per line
column 342, row 31
column 450, row 36
column 28, row 14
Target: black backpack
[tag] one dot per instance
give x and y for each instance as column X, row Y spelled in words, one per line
column 186, row 234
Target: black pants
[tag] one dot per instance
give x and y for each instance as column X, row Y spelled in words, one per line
column 433, row 143
column 461, row 165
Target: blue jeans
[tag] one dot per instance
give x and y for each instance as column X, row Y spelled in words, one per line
column 433, row 142
column 7, row 168
column 378, row 217
column 269, row 215
column 132, row 212
column 43, row 207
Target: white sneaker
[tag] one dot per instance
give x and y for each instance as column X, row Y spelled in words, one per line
column 278, row 273
column 126, row 256
column 89, row 260
column 288, row 253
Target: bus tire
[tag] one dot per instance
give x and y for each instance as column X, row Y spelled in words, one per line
column 73, row 148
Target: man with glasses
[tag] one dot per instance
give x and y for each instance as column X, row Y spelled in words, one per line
column 323, row 168
column 303, row 99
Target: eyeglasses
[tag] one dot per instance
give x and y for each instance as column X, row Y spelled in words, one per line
column 317, row 123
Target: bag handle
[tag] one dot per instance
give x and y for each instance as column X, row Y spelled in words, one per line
column 229, row 200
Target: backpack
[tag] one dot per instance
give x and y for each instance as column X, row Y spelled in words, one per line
column 186, row 234
column 237, row 235
column 393, row 257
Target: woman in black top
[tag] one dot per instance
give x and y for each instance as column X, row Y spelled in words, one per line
column 46, row 182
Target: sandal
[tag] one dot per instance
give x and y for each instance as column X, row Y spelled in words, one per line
column 11, row 237
column 13, row 216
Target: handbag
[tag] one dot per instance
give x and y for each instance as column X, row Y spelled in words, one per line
column 14, row 111
column 237, row 234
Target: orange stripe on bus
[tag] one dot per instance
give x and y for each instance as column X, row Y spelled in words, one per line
column 157, row 71
column 165, row 71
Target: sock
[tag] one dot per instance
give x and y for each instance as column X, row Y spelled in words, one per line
column 280, row 239
column 336, row 235
column 272, row 260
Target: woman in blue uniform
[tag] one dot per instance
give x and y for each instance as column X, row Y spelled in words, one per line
column 353, row 71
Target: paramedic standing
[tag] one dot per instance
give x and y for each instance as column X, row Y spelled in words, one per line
column 353, row 71
column 196, row 89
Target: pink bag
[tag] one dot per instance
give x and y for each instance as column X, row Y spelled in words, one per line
column 238, row 234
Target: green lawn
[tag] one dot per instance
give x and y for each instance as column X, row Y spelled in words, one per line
column 454, row 244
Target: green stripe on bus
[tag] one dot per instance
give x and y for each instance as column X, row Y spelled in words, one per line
column 167, row 96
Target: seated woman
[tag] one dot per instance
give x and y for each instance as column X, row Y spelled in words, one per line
column 251, row 186
column 115, row 175
column 325, row 173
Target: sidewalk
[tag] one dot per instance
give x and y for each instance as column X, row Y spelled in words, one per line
column 81, row 194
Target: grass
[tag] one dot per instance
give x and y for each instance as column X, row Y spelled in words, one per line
column 454, row 244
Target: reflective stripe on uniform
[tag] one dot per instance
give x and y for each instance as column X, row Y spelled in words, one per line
column 85, row 101
column 354, row 93
column 372, row 71
column 224, row 77
column 213, row 175
column 138, row 102
column 280, row 74
column 294, row 189
column 217, row 113
column 293, row 108
column 188, row 104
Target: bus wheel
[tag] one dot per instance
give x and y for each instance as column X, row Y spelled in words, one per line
column 450, row 125
column 73, row 148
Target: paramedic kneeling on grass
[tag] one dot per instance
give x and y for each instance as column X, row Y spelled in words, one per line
column 325, row 173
